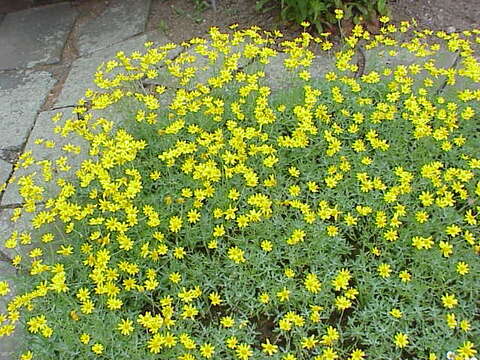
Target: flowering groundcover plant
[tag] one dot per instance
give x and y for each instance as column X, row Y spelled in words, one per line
column 231, row 218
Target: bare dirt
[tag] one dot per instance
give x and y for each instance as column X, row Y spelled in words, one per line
column 184, row 19
column 448, row 15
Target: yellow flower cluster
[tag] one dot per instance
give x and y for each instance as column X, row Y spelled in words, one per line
column 230, row 220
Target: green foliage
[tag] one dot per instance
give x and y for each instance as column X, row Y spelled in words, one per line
column 321, row 13
column 200, row 5
column 240, row 216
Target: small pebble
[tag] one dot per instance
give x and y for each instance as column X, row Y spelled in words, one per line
column 451, row 29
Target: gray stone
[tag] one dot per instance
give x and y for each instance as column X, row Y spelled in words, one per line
column 158, row 38
column 35, row 36
column 8, row 274
column 7, row 227
column 21, row 96
column 462, row 82
column 44, row 129
column 278, row 77
column 121, row 20
column 379, row 59
column 83, row 70
column 9, row 345
column 5, row 171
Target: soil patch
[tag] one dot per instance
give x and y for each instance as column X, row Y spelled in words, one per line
column 184, row 19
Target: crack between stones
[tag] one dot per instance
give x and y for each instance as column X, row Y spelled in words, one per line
column 454, row 67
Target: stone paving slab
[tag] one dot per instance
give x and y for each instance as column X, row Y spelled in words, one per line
column 277, row 77
column 5, row 170
column 379, row 59
column 7, row 227
column 21, row 96
column 121, row 20
column 83, row 70
column 8, row 345
column 35, row 36
column 44, row 129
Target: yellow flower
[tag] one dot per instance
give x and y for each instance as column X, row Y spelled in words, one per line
column 312, row 186
column 189, row 312
column 465, row 325
column 331, row 336
column 421, row 216
column 384, row 270
column 84, row 338
column 37, row 323
column 27, row 356
column 401, row 340
column 283, row 295
column 125, row 327
column 219, row 231
column 269, row 348
column 451, row 321
column 175, row 224
column 289, row 273
column 405, row 276
column 266, row 245
column 233, row 194
column 467, row 350
column 329, row 354
column 213, row 244
column 453, row 230
column 264, row 298
column 309, row 342
column 193, row 216
column 236, row 254
column 312, row 284
column 243, row 351
column 175, row 277
column 384, row 19
column 155, row 343
column 462, row 268
column 232, row 342
column 207, row 350
column 449, row 301
column 179, row 252
column 227, row 321
column 293, row 171
column 155, row 175
column 4, row 288
column 114, row 303
column 357, row 354
column 97, row 348
column 215, row 298
column 396, row 313
column 342, row 303
column 332, row 230
column 338, row 14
